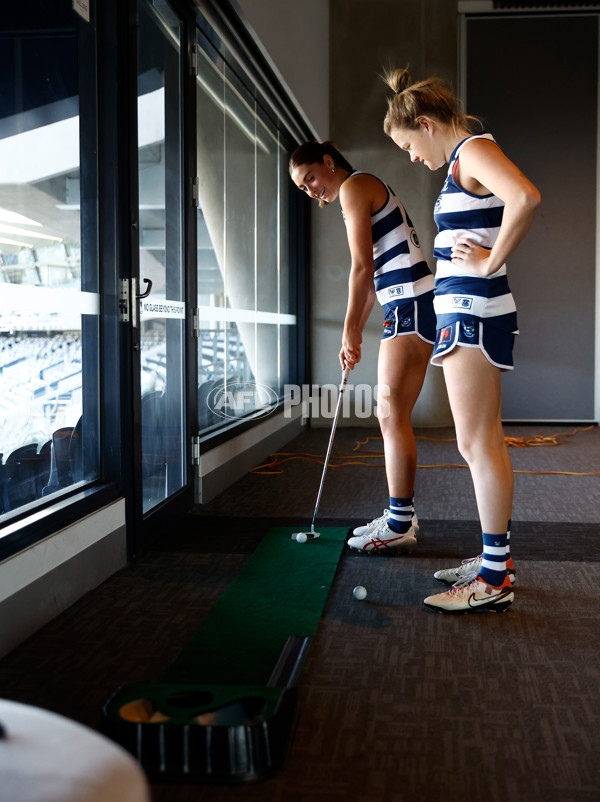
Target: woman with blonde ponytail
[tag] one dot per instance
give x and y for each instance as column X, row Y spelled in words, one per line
column 485, row 209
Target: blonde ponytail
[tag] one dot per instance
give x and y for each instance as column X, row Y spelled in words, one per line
column 428, row 98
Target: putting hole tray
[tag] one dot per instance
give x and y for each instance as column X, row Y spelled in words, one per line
column 203, row 734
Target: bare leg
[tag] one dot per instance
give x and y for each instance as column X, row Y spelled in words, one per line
column 401, row 372
column 475, row 395
column 507, row 463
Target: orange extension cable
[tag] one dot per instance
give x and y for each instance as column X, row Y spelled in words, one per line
column 279, row 458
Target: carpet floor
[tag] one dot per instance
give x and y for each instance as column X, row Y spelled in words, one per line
column 399, row 704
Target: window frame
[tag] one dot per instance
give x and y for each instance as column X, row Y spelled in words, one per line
column 107, row 226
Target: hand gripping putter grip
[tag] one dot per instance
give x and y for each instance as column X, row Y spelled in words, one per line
column 343, row 383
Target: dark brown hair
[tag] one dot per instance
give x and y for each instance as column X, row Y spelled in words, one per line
column 428, row 98
column 314, row 152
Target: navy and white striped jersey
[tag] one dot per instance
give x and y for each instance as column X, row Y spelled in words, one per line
column 459, row 293
column 401, row 272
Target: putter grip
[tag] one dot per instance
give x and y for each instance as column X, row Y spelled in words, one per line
column 345, row 374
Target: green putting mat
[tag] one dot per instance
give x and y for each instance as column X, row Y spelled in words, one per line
column 280, row 591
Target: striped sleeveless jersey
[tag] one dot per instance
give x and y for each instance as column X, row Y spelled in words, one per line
column 459, row 293
column 401, row 272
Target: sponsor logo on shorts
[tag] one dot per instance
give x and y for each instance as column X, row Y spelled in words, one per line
column 446, row 334
column 462, row 301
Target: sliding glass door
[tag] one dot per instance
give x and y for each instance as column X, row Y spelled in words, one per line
column 161, row 288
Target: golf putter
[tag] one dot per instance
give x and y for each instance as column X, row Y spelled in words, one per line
column 312, row 534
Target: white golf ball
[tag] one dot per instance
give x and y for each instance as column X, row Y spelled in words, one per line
column 301, row 537
column 359, row 592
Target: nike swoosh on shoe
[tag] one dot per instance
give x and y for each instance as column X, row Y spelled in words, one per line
column 490, row 601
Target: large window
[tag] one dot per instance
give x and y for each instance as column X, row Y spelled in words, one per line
column 245, row 310
column 49, row 302
column 116, row 261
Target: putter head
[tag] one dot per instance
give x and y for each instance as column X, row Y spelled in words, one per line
column 309, row 535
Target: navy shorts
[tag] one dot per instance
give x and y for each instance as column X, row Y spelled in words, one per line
column 495, row 344
column 414, row 316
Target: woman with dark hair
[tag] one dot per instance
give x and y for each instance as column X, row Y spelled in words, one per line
column 387, row 264
column 484, row 210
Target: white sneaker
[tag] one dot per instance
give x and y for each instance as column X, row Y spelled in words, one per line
column 473, row 595
column 366, row 528
column 472, row 565
column 382, row 538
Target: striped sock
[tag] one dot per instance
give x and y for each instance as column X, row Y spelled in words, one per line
column 509, row 562
column 493, row 565
column 400, row 517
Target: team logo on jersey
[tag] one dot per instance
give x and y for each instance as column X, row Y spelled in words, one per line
column 438, row 203
column 394, row 292
column 462, row 302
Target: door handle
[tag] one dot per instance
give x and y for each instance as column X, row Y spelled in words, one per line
column 148, row 283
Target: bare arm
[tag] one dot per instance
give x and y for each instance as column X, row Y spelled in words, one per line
column 358, row 196
column 484, row 169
